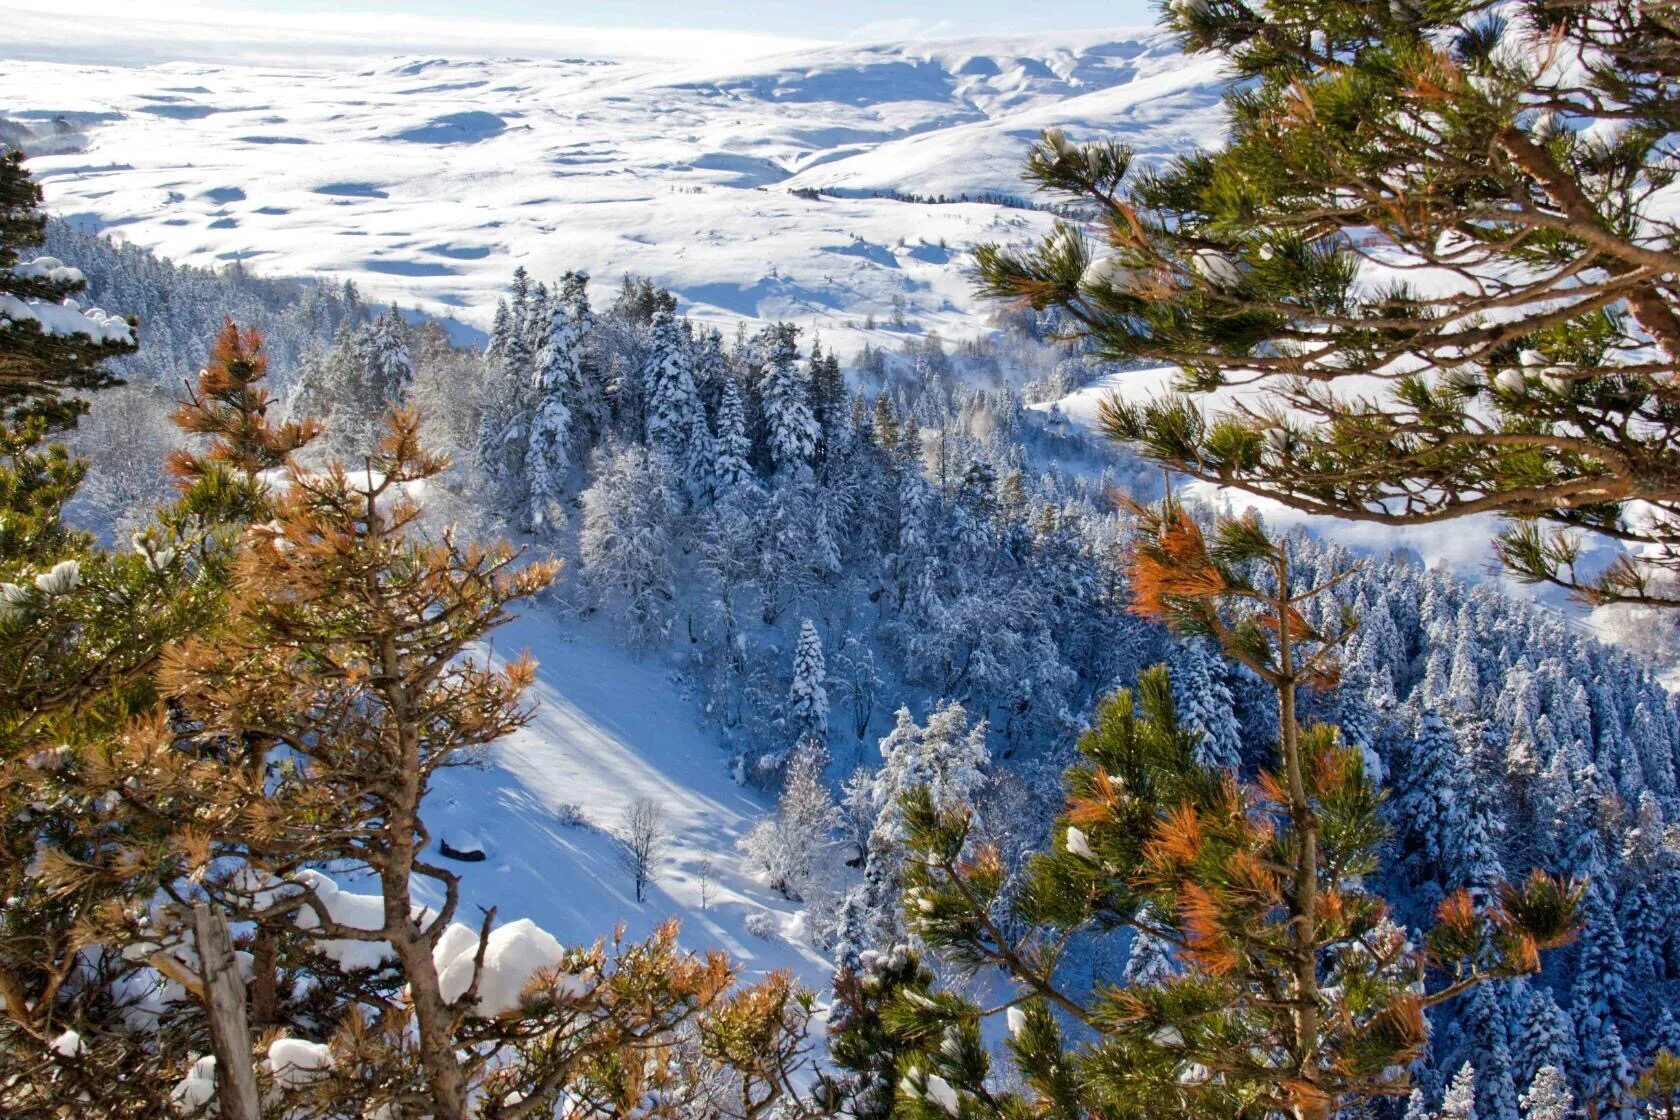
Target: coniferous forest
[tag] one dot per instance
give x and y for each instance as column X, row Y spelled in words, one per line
column 1081, row 797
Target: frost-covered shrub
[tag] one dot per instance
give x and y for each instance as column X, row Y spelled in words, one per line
column 762, row 924
column 571, row 815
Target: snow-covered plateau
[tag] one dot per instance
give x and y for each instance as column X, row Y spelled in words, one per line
column 426, row 180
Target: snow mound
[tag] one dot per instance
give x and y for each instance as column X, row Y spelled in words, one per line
column 296, row 1063
column 358, row 911
column 66, row 319
column 197, row 1088
column 514, row 954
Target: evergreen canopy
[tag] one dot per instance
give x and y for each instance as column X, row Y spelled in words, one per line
column 1435, row 270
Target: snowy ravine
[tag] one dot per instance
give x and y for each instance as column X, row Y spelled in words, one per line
column 609, row 729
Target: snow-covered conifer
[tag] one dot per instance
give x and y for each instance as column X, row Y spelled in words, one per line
column 1205, row 704
column 807, row 698
column 625, row 542
column 732, row 448
column 556, row 380
column 791, row 847
column 1459, row 1101
column 1548, row 1096
column 787, row 410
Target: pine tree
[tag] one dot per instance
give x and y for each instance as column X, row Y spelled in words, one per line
column 1381, row 134
column 1251, row 884
column 866, row 988
column 946, row 759
column 807, row 698
column 1659, row 1085
column 50, row 347
column 81, row 631
column 1666, row 1034
column 349, row 646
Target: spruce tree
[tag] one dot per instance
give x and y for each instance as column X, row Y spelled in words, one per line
column 1432, row 244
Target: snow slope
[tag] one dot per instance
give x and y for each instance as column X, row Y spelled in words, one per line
column 608, row 730
column 427, row 181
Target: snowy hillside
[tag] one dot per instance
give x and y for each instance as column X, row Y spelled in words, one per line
column 610, row 730
column 427, row 180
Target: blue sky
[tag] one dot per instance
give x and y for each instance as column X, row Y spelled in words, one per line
column 837, row 19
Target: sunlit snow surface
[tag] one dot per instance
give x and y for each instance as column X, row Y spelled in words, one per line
column 427, row 181
column 609, row 730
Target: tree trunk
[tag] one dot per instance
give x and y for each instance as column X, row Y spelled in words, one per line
column 1304, row 919
column 265, row 980
column 224, row 1000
